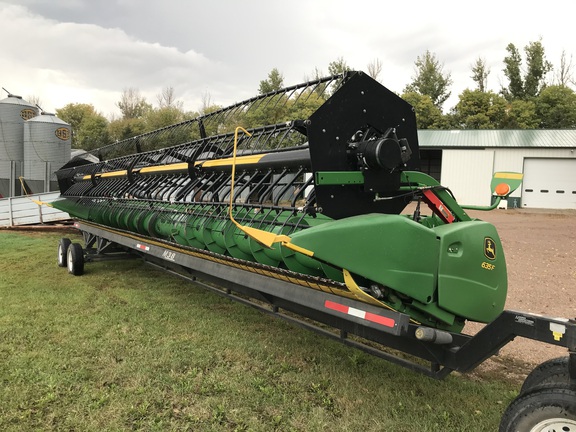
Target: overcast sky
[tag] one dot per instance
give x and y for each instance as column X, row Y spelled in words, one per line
column 88, row 51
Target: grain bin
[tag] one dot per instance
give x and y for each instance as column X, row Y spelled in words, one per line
column 13, row 112
column 47, row 142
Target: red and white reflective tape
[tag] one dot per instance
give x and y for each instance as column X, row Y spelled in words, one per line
column 368, row 316
column 143, row 247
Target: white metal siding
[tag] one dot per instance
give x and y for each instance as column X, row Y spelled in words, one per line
column 549, row 183
column 23, row 211
column 506, row 159
column 467, row 173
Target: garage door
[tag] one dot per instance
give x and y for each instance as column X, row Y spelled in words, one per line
column 549, row 183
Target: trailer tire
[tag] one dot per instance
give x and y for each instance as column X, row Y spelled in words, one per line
column 542, row 410
column 75, row 259
column 551, row 371
column 63, row 245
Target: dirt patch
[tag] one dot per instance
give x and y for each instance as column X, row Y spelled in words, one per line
column 540, row 249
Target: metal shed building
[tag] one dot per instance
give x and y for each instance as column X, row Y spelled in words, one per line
column 465, row 160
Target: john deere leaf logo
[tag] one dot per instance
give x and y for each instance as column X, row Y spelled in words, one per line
column 27, row 114
column 489, row 248
column 63, row 133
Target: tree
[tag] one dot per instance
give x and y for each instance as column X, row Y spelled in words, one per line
column 565, row 75
column 428, row 115
column 275, row 81
column 480, row 74
column 430, row 79
column 34, row 100
column 270, row 110
column 132, row 104
column 306, row 105
column 93, row 133
column 206, row 105
column 513, row 63
column 374, row 68
column 162, row 117
column 556, row 107
column 480, row 110
column 521, row 115
column 124, row 128
column 211, row 126
column 166, row 99
column 89, row 127
column 533, row 81
column 538, row 67
column 338, row 66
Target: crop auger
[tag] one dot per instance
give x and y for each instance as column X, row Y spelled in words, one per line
column 291, row 202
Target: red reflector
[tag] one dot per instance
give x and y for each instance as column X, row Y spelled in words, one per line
column 388, row 322
column 336, row 306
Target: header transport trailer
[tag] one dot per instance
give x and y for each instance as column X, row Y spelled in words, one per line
column 292, row 202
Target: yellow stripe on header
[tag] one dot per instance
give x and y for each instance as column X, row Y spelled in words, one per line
column 240, row 160
column 506, row 175
column 120, row 173
column 164, row 168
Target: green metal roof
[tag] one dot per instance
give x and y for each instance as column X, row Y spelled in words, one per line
column 532, row 138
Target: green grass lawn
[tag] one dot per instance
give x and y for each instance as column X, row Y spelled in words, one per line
column 128, row 347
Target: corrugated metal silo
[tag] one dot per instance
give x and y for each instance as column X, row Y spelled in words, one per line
column 13, row 112
column 47, row 143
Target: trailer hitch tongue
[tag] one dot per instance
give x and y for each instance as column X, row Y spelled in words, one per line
column 427, row 334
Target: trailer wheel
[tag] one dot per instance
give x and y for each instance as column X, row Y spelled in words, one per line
column 75, row 259
column 544, row 410
column 551, row 371
column 63, row 245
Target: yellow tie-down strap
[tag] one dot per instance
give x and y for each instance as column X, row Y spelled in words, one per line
column 263, row 237
column 39, row 202
column 362, row 296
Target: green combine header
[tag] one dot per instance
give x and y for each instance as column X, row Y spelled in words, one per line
column 315, row 199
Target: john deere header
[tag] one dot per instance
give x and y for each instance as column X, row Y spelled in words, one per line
column 306, row 184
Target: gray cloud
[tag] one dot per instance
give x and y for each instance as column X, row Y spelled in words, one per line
column 87, row 51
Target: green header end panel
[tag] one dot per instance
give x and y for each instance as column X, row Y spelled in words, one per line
column 472, row 280
column 391, row 250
